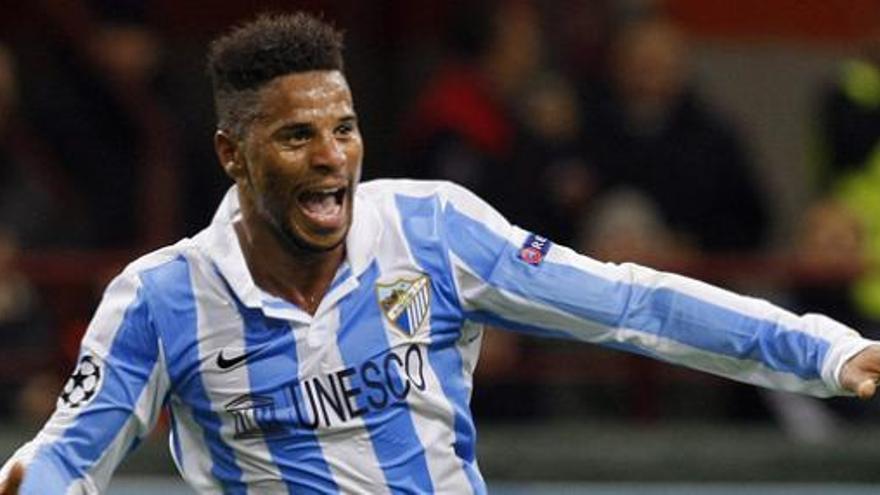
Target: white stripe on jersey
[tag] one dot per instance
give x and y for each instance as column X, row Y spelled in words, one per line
column 222, row 330
column 447, row 472
column 195, row 462
column 355, row 470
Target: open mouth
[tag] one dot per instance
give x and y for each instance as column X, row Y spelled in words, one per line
column 324, row 206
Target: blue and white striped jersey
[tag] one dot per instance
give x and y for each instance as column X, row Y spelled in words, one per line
column 370, row 395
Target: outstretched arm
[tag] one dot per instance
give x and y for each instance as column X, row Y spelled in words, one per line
column 513, row 279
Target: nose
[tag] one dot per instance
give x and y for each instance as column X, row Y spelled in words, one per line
column 328, row 153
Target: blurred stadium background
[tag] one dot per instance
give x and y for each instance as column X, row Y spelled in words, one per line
column 733, row 141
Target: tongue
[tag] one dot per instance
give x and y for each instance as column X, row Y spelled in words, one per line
column 321, row 204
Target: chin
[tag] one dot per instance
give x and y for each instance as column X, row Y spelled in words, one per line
column 326, row 244
column 314, row 244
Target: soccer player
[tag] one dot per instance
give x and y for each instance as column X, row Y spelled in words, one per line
column 320, row 336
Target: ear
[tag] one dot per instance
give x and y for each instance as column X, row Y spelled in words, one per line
column 229, row 154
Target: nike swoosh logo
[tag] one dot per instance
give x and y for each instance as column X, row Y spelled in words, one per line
column 224, row 364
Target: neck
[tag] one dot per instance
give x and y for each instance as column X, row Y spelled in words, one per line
column 293, row 274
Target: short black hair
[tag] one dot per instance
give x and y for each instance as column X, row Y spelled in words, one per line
column 272, row 45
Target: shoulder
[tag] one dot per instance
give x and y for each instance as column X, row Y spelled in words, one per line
column 126, row 302
column 438, row 201
column 388, row 191
column 155, row 267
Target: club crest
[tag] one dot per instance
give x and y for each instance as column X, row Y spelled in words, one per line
column 405, row 302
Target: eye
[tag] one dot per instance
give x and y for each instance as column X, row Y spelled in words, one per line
column 299, row 134
column 346, row 128
column 295, row 135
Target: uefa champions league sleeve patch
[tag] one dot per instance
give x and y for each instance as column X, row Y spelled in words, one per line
column 83, row 383
column 534, row 249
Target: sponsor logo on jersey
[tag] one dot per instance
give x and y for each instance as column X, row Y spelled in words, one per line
column 224, row 362
column 83, row 383
column 250, row 412
column 405, row 302
column 534, row 249
column 331, row 399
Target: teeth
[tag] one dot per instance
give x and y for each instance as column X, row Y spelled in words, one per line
column 329, row 191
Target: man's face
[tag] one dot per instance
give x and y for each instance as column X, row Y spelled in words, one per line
column 302, row 159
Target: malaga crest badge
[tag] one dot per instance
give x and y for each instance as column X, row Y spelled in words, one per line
column 405, row 302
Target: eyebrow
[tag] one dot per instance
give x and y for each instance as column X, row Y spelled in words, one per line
column 294, row 124
column 299, row 126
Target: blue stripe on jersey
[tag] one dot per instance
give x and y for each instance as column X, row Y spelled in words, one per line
column 362, row 341
column 127, row 368
column 177, row 321
column 663, row 312
column 416, row 213
column 297, row 454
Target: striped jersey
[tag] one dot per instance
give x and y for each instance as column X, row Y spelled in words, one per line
column 371, row 393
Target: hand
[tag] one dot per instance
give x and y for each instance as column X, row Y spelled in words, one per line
column 861, row 374
column 10, row 486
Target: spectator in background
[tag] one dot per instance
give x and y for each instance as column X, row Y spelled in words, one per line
column 649, row 130
column 33, row 196
column 848, row 182
column 463, row 127
column 549, row 171
column 830, row 249
column 581, row 33
column 849, row 117
column 625, row 226
column 498, row 119
column 96, row 88
column 24, row 327
column 33, row 191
